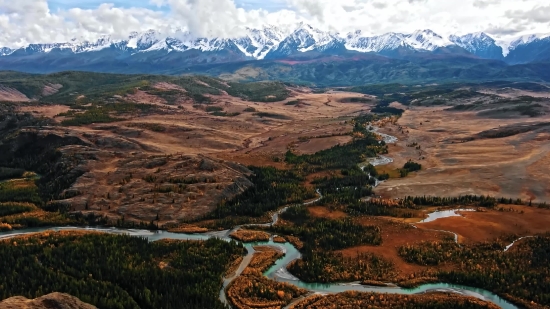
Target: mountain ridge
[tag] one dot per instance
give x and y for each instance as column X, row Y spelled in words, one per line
column 304, row 55
column 271, row 42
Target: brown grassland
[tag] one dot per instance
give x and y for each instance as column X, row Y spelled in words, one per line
column 176, row 163
column 249, row 236
column 490, row 224
column 513, row 167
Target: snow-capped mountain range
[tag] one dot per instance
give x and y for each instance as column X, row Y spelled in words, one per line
column 271, row 42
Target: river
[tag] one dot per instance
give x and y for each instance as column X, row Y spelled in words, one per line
column 278, row 271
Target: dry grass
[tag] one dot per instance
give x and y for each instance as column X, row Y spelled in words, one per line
column 385, row 169
column 188, row 229
column 324, row 212
column 49, row 111
column 491, row 224
column 394, row 235
column 317, row 144
column 515, row 166
column 168, row 190
column 250, row 236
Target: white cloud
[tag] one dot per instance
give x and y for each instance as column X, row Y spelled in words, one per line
column 31, row 21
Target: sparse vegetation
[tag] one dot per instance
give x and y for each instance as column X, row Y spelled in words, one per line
column 8, row 209
column 21, row 190
column 104, row 113
column 356, row 100
column 364, row 145
column 410, row 167
column 250, row 236
column 224, row 114
column 259, row 91
column 210, row 109
column 271, row 115
column 89, row 87
column 155, row 127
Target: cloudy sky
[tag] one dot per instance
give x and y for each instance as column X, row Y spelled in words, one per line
column 41, row 21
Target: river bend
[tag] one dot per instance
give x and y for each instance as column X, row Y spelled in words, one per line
column 279, row 270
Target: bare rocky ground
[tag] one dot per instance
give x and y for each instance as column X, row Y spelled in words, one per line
column 50, row 301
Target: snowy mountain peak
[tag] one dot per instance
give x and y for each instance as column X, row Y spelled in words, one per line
column 303, row 25
column 510, row 45
column 426, row 40
column 142, row 41
column 306, row 38
column 274, row 42
column 425, row 32
column 479, row 44
column 526, row 39
column 4, row 51
column 361, row 43
column 477, row 36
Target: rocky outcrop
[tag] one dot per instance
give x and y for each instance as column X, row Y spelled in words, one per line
column 50, row 301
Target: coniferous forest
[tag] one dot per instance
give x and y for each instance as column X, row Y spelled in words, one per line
column 272, row 189
column 521, row 273
column 117, row 271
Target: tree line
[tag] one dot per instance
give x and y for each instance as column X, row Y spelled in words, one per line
column 272, row 189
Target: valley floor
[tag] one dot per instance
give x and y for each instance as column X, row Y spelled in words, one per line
column 454, row 163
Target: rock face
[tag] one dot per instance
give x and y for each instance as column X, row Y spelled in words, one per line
column 50, row 301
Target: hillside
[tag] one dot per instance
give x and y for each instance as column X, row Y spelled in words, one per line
column 330, row 71
column 87, row 87
column 317, row 69
column 49, row 301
